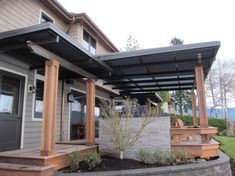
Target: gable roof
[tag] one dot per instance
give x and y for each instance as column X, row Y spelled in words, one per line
column 69, row 17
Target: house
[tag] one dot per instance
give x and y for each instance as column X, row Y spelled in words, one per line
column 56, row 66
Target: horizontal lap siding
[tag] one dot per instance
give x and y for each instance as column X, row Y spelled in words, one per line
column 16, row 14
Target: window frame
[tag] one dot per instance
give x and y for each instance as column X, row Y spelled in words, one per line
column 89, row 43
column 41, row 78
column 46, row 14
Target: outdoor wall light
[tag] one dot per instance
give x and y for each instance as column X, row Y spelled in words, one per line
column 70, row 98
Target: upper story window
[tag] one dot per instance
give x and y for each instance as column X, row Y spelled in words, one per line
column 45, row 18
column 89, row 42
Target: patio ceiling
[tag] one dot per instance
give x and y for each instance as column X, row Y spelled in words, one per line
column 143, row 72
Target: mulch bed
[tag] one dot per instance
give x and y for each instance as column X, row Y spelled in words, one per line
column 110, row 164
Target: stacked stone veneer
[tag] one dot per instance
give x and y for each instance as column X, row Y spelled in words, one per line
column 156, row 135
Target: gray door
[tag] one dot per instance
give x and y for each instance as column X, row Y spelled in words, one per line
column 11, row 106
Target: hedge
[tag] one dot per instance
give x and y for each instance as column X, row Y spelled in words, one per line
column 219, row 123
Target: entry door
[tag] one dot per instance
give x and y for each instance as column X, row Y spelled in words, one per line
column 11, row 107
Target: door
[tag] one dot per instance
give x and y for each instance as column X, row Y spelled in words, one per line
column 11, row 107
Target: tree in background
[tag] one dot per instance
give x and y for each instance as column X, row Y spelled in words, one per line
column 182, row 97
column 165, row 96
column 131, row 44
column 220, row 85
column 176, row 41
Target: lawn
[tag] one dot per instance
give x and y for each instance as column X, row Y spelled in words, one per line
column 227, row 145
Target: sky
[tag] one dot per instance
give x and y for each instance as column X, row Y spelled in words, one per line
column 153, row 23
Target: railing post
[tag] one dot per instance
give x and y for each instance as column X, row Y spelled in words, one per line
column 49, row 108
column 90, row 112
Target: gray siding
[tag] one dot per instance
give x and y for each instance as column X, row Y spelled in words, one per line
column 32, row 128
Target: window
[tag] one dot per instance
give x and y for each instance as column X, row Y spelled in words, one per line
column 89, row 42
column 45, row 18
column 38, row 106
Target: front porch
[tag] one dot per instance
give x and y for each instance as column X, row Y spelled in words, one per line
column 30, row 161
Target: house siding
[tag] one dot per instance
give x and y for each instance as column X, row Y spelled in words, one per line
column 15, row 14
column 32, row 128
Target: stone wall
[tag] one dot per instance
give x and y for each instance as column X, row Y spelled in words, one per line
column 156, row 135
column 218, row 167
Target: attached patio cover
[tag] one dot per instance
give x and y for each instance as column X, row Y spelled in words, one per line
column 135, row 73
column 143, row 72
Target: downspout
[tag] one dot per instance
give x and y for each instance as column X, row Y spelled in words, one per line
column 70, row 25
column 62, row 114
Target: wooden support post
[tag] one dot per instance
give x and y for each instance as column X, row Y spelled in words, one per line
column 195, row 122
column 62, row 114
column 201, row 96
column 49, row 108
column 90, row 112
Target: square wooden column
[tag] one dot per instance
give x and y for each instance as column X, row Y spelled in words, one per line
column 90, row 112
column 201, row 96
column 195, row 122
column 49, row 108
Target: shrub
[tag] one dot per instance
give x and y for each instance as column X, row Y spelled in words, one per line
column 145, row 156
column 163, row 157
column 92, row 159
column 74, row 161
column 157, row 157
column 181, row 157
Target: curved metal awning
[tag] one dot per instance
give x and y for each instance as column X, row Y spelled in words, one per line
column 143, row 72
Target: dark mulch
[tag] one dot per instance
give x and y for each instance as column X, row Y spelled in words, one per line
column 110, row 164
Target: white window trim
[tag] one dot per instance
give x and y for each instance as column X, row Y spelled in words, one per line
column 81, row 91
column 83, row 28
column 24, row 101
column 36, row 77
column 40, row 16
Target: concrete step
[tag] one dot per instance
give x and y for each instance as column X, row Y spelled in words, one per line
column 9, row 169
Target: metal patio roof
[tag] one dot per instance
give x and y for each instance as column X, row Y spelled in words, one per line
column 51, row 38
column 136, row 73
column 158, row 69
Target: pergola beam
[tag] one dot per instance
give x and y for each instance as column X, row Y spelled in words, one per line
column 148, row 81
column 158, row 74
column 159, row 63
column 38, row 50
column 151, row 86
column 154, row 90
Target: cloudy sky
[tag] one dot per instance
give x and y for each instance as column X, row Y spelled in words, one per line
column 154, row 22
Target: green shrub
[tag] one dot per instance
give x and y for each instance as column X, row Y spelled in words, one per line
column 163, row 157
column 145, row 156
column 74, row 159
column 92, row 159
column 219, row 123
column 181, row 157
column 157, row 157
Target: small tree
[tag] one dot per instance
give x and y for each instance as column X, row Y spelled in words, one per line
column 131, row 44
column 120, row 125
